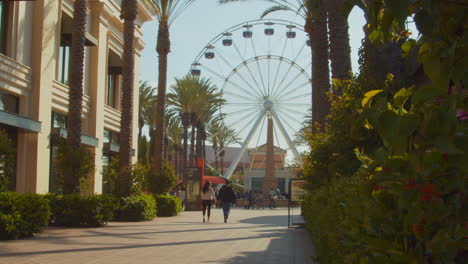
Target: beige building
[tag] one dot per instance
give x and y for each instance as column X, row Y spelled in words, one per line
column 255, row 174
column 34, row 69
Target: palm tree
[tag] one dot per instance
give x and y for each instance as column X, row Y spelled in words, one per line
column 197, row 101
column 146, row 101
column 226, row 137
column 167, row 12
column 77, row 56
column 315, row 24
column 339, row 40
column 174, row 134
column 214, row 128
column 129, row 14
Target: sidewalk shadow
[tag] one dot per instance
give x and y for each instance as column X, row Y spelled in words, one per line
column 290, row 246
column 271, row 220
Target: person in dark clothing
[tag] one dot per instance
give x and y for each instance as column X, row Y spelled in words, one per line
column 226, row 196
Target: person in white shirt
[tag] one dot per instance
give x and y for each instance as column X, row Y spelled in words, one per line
column 208, row 197
column 181, row 195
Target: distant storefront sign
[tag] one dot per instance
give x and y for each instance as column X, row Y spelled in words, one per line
column 297, row 189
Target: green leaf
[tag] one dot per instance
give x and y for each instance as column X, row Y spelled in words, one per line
column 402, row 96
column 368, row 96
column 408, row 46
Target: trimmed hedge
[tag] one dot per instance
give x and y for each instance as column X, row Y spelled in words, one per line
column 136, row 208
column 21, row 215
column 84, row 211
column 168, row 205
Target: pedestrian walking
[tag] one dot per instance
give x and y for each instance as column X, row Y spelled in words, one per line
column 208, row 197
column 181, row 194
column 272, row 199
column 226, row 196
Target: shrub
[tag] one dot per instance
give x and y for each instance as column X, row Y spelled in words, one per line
column 76, row 210
column 7, row 162
column 163, row 183
column 139, row 174
column 136, row 208
column 22, row 215
column 168, row 205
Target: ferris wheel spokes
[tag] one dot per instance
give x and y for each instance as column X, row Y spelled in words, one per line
column 230, row 81
column 286, row 136
column 237, row 158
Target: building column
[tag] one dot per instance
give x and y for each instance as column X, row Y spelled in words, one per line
column 97, row 86
column 34, row 148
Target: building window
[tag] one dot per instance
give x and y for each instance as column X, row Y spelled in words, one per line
column 55, row 179
column 110, row 137
column 111, row 89
column 64, row 61
column 9, row 103
column 59, row 120
column 108, row 155
column 3, row 26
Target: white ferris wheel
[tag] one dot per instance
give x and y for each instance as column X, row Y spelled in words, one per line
column 263, row 70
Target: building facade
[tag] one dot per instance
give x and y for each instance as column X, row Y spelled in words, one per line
column 34, row 75
column 255, row 174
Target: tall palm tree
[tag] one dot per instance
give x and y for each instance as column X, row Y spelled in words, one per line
column 167, row 12
column 129, row 14
column 77, row 56
column 340, row 50
column 315, row 24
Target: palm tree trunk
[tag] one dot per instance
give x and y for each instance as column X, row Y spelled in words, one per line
column 129, row 13
column 317, row 30
column 339, row 41
column 163, row 48
column 222, row 161
column 185, row 124
column 77, row 56
column 192, row 140
column 199, row 141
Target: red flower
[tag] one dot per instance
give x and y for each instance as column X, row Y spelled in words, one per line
column 429, row 191
column 385, row 170
column 418, row 229
column 445, row 156
column 411, row 184
column 377, row 187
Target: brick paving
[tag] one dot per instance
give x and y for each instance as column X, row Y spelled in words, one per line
column 250, row 236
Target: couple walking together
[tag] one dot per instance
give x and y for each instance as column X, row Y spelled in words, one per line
column 226, row 196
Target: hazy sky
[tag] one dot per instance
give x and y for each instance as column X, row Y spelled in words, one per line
column 204, row 20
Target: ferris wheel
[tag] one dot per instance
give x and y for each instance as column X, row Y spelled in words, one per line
column 263, row 70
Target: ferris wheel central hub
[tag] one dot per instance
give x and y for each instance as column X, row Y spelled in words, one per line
column 267, row 103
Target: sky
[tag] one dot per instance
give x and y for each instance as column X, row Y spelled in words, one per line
column 206, row 19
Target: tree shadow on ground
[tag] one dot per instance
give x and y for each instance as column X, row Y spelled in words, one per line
column 290, row 246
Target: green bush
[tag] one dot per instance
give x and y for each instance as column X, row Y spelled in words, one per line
column 136, row 208
column 163, row 183
column 168, row 205
column 76, row 210
column 22, row 215
column 7, row 162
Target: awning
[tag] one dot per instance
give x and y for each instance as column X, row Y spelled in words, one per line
column 214, row 179
column 19, row 121
column 87, row 140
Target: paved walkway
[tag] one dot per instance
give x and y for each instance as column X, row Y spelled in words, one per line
column 250, row 236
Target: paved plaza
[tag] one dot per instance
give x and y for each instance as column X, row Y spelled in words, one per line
column 250, row 236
